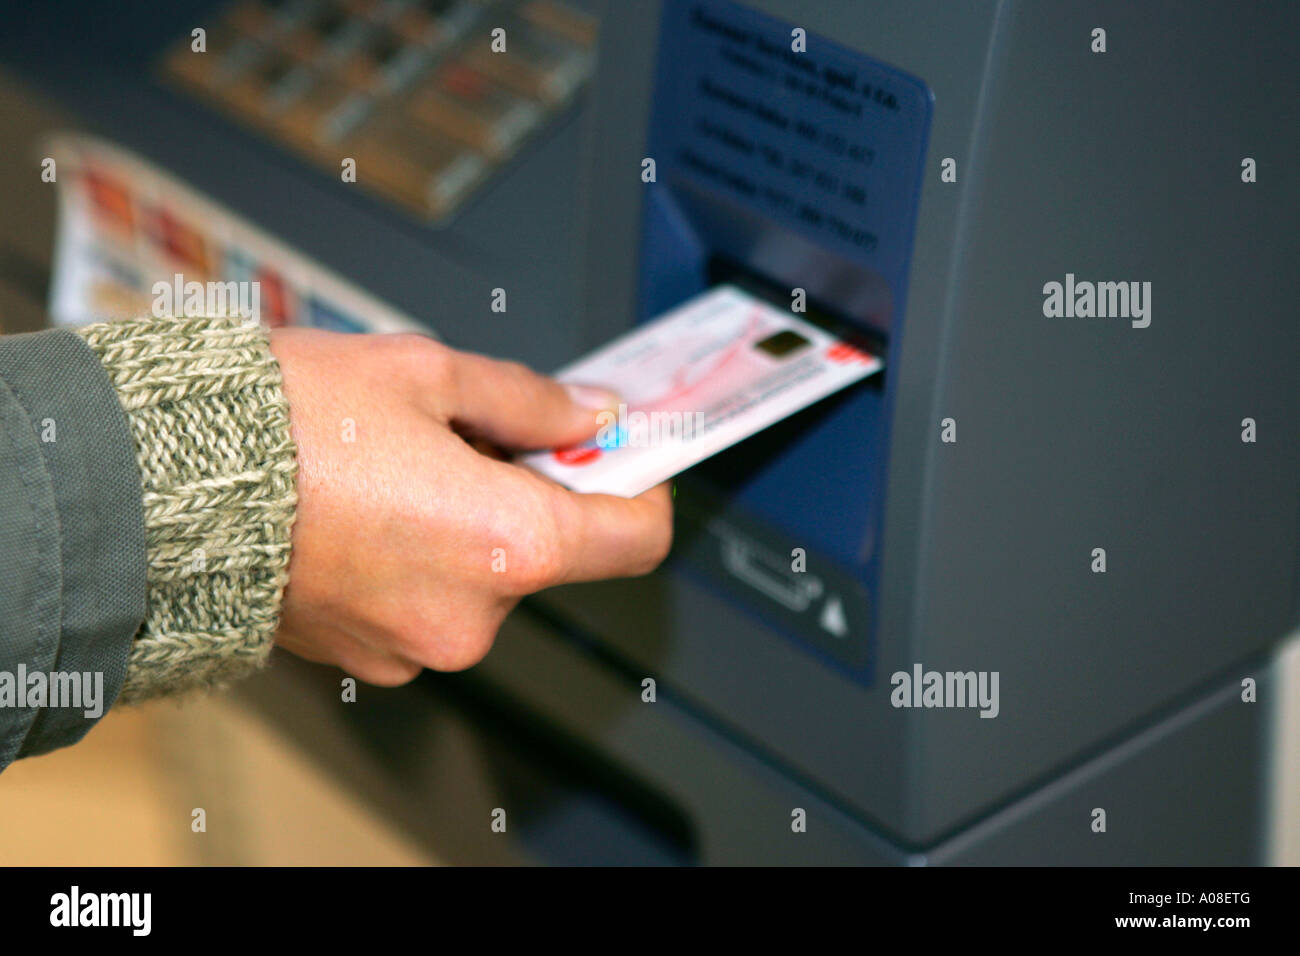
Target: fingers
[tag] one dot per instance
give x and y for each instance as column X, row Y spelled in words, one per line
column 603, row 536
column 511, row 405
column 553, row 536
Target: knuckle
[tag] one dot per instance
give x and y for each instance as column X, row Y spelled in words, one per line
column 410, row 637
column 535, row 569
column 406, row 630
column 517, row 371
column 460, row 649
column 423, row 639
column 408, row 671
column 516, row 378
column 434, row 359
column 403, row 343
column 421, row 354
column 536, row 555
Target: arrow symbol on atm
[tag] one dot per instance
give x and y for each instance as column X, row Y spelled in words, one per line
column 832, row 618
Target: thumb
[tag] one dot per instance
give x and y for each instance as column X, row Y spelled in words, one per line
column 511, row 405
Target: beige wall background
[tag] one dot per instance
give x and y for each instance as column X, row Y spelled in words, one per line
column 126, row 795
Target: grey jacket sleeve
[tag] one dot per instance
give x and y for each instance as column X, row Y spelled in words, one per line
column 72, row 542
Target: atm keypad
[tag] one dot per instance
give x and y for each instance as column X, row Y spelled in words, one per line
column 540, row 64
column 410, row 89
column 465, row 104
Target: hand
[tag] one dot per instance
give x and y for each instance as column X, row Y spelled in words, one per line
column 410, row 544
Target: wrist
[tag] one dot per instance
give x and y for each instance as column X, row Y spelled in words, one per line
column 207, row 411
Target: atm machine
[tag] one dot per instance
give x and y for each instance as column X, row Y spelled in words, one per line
column 1066, row 228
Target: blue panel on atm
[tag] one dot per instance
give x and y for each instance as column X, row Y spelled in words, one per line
column 786, row 162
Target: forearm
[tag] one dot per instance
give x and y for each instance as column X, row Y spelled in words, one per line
column 147, row 499
column 72, row 550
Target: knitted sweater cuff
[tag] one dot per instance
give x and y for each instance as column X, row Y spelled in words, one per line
column 207, row 410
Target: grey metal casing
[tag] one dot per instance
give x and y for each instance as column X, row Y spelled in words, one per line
column 1073, row 434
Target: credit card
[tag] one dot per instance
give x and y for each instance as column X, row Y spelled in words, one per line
column 694, row 381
